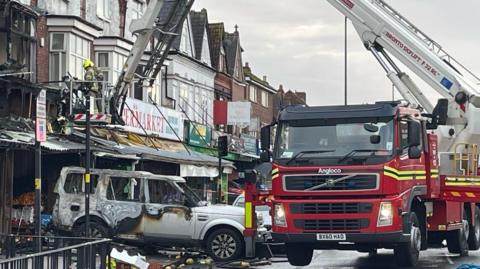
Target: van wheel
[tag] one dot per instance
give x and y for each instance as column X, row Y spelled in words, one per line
column 406, row 254
column 224, row 245
column 97, row 230
column 457, row 240
column 298, row 254
column 474, row 234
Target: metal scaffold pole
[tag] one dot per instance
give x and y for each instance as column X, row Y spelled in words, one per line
column 87, row 172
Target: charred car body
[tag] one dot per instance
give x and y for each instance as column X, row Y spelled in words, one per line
column 153, row 210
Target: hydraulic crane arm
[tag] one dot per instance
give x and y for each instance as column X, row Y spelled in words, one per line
column 162, row 19
column 382, row 30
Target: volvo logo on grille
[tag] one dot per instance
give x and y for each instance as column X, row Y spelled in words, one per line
column 329, row 171
column 330, row 182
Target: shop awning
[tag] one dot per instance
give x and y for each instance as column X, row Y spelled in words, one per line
column 179, row 156
column 152, row 148
column 53, row 143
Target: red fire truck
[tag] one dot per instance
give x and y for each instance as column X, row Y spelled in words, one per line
column 395, row 175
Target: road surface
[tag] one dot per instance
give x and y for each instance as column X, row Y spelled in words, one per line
column 326, row 259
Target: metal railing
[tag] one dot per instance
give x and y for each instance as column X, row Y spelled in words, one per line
column 57, row 252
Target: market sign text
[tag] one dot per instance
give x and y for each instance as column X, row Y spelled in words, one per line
column 152, row 120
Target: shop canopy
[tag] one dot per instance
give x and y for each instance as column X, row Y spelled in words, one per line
column 192, row 163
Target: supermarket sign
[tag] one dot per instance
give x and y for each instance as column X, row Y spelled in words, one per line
column 152, row 120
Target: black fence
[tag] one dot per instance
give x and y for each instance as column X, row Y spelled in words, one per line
column 57, row 252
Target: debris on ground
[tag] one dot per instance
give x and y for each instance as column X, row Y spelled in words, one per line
column 124, row 257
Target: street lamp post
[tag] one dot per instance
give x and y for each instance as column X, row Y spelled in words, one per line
column 346, row 60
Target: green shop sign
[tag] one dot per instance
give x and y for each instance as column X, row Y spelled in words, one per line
column 199, row 135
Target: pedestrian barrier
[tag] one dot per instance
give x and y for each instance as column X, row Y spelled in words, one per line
column 56, row 252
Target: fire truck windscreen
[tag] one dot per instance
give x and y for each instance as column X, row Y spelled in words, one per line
column 334, row 142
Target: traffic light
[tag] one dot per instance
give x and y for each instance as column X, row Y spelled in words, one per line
column 222, row 145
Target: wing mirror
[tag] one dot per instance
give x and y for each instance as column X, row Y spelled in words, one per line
column 414, row 153
column 414, row 131
column 265, row 138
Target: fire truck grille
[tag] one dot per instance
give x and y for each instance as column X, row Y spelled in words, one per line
column 332, row 224
column 330, row 208
column 330, row 183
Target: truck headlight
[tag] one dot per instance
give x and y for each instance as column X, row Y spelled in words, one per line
column 385, row 214
column 279, row 215
column 259, row 219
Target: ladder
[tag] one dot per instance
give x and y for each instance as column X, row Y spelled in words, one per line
column 428, row 41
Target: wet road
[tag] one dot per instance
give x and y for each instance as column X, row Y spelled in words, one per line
column 435, row 258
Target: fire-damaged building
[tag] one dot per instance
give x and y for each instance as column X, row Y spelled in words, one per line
column 18, row 90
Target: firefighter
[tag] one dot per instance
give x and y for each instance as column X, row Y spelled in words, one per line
column 92, row 74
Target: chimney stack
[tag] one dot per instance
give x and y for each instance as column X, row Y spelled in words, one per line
column 265, row 78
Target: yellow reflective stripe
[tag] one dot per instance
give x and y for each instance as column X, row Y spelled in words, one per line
column 470, row 194
column 462, row 183
column 391, row 175
column 404, row 172
column 38, row 183
column 456, row 194
column 275, row 176
column 274, row 171
column 248, row 215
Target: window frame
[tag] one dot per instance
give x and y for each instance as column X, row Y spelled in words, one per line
column 252, row 90
column 140, row 184
column 103, row 9
column 264, row 98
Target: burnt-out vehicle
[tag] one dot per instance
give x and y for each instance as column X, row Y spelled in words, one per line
column 147, row 209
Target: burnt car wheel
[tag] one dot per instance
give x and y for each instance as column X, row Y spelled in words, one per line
column 224, row 245
column 97, row 230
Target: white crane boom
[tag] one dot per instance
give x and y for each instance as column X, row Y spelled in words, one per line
column 162, row 19
column 385, row 32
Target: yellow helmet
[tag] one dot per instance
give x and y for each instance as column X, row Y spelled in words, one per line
column 87, row 63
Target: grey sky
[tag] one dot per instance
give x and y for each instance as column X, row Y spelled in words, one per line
column 300, row 43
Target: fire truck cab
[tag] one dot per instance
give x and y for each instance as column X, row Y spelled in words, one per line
column 365, row 177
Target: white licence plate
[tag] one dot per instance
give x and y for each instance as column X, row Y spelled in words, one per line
column 331, row 237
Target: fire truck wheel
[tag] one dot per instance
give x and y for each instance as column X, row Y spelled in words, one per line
column 474, row 235
column 406, row 254
column 298, row 254
column 224, row 245
column 457, row 240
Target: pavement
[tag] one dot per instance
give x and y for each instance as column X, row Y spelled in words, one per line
column 330, row 259
column 326, row 259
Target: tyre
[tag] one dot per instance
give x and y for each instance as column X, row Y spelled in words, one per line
column 474, row 234
column 406, row 254
column 97, row 230
column 299, row 255
column 457, row 240
column 224, row 245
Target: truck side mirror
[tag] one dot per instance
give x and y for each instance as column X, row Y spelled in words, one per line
column 265, row 156
column 265, row 138
column 250, row 176
column 414, row 130
column 414, row 153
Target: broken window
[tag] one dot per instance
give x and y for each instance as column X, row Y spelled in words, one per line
column 17, row 42
column 74, row 183
column 162, row 192
column 124, row 189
